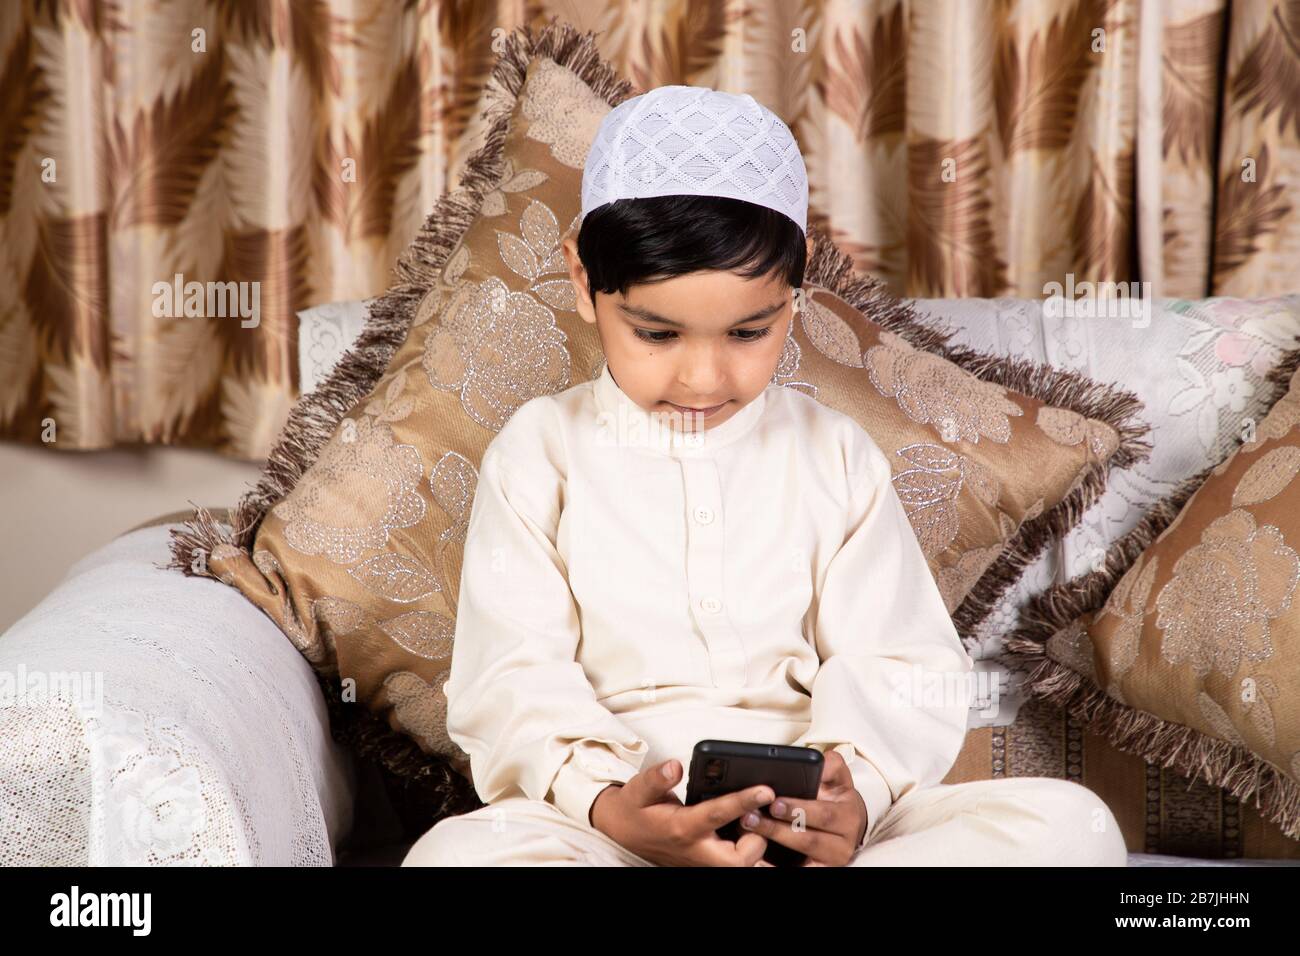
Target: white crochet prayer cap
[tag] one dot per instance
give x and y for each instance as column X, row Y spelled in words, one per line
column 694, row 141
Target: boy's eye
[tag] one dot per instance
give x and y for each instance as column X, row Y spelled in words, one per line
column 744, row 335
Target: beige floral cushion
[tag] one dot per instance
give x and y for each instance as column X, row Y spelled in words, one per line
column 1186, row 649
column 353, row 543
column 975, row 463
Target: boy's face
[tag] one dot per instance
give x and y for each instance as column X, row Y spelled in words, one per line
column 694, row 341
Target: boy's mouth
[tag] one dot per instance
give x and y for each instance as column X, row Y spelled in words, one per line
column 688, row 410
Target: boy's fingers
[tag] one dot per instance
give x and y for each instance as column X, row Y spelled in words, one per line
column 746, row 851
column 816, row 814
column 750, row 849
column 718, row 812
column 810, row 842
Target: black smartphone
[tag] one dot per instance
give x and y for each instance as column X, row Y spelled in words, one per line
column 720, row 767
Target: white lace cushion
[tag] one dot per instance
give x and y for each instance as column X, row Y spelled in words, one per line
column 197, row 734
column 325, row 333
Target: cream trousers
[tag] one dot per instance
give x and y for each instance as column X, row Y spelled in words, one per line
column 1011, row 821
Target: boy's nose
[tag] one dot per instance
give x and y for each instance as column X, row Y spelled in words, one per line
column 702, row 379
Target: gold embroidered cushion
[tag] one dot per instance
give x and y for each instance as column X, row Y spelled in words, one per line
column 986, row 465
column 352, row 542
column 1185, row 648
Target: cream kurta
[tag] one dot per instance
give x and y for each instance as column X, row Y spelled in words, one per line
column 629, row 590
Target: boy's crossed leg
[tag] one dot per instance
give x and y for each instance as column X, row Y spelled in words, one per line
column 1010, row 821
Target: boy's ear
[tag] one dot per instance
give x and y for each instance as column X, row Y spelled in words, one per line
column 578, row 276
column 809, row 245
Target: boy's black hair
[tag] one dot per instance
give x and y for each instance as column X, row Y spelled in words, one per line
column 629, row 241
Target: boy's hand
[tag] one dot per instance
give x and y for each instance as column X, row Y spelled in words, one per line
column 646, row 817
column 833, row 824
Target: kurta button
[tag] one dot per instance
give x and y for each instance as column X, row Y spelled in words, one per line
column 703, row 515
column 712, row 605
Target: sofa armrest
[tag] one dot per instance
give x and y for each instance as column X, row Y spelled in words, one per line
column 153, row 718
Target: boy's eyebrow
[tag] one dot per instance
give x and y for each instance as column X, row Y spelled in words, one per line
column 647, row 316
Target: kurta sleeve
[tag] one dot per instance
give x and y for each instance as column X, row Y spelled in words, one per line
column 518, row 702
column 891, row 694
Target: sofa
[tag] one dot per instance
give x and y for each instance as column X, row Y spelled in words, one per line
column 176, row 725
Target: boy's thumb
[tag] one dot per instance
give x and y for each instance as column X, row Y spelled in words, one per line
column 665, row 775
column 653, row 783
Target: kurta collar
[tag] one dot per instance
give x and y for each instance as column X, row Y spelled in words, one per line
column 626, row 423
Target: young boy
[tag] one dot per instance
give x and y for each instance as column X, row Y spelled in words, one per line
column 681, row 550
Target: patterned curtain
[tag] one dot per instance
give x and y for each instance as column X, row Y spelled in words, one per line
column 243, row 159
